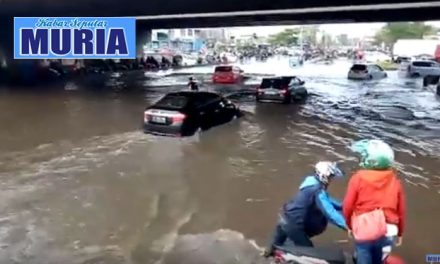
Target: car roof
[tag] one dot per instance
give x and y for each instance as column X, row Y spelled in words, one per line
column 191, row 94
column 366, row 64
column 423, row 61
column 272, row 78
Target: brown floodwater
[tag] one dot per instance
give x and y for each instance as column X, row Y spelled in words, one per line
column 80, row 182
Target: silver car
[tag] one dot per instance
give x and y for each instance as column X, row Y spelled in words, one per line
column 421, row 68
column 364, row 71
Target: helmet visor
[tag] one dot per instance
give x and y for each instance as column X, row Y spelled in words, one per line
column 337, row 172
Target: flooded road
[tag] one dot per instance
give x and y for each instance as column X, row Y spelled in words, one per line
column 80, row 182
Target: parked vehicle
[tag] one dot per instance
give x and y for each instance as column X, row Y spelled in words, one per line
column 415, row 47
column 281, row 89
column 400, row 59
column 189, row 60
column 183, row 113
column 227, row 74
column 366, row 71
column 229, row 57
column 420, row 68
column 375, row 56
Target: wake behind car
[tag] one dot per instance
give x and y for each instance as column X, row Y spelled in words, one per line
column 227, row 74
column 296, row 60
column 184, row 113
column 366, row 71
column 281, row 89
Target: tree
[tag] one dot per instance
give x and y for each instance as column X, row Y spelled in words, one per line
column 391, row 32
column 287, row 37
column 310, row 34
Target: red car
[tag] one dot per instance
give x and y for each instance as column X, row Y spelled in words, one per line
column 227, row 74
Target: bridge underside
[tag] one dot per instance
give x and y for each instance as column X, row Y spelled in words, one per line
column 397, row 15
column 166, row 7
column 205, row 13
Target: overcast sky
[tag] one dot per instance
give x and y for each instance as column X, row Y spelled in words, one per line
column 353, row 30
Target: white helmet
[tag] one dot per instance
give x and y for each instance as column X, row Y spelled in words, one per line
column 325, row 170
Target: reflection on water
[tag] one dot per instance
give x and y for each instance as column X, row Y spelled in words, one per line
column 81, row 184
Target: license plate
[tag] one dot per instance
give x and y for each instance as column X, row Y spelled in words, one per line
column 271, row 93
column 159, row 119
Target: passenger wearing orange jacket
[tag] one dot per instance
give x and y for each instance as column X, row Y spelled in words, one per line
column 375, row 186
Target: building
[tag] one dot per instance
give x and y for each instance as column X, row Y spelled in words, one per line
column 186, row 39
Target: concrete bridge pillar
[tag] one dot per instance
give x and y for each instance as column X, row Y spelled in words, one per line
column 16, row 72
column 6, row 40
column 143, row 36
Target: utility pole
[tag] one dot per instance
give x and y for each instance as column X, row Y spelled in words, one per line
column 169, row 39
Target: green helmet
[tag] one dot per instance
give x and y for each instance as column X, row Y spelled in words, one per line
column 374, row 154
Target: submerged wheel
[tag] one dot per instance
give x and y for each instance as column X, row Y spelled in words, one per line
column 426, row 81
column 237, row 114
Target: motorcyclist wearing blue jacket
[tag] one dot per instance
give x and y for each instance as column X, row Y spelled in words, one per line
column 308, row 213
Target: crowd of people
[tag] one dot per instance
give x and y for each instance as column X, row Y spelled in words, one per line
column 372, row 212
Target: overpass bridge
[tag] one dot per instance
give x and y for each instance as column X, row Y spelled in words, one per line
column 203, row 13
column 290, row 10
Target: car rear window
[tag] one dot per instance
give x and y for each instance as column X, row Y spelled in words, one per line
column 286, row 80
column 203, row 99
column 359, row 67
column 423, row 64
column 271, row 83
column 223, row 69
column 172, row 102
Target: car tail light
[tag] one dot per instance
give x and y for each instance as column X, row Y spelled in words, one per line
column 178, row 118
column 147, row 116
column 283, row 91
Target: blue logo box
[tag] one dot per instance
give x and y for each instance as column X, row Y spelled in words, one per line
column 433, row 258
column 74, row 38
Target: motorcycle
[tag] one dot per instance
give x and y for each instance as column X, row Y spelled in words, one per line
column 309, row 255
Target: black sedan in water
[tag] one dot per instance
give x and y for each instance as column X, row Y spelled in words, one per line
column 183, row 113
